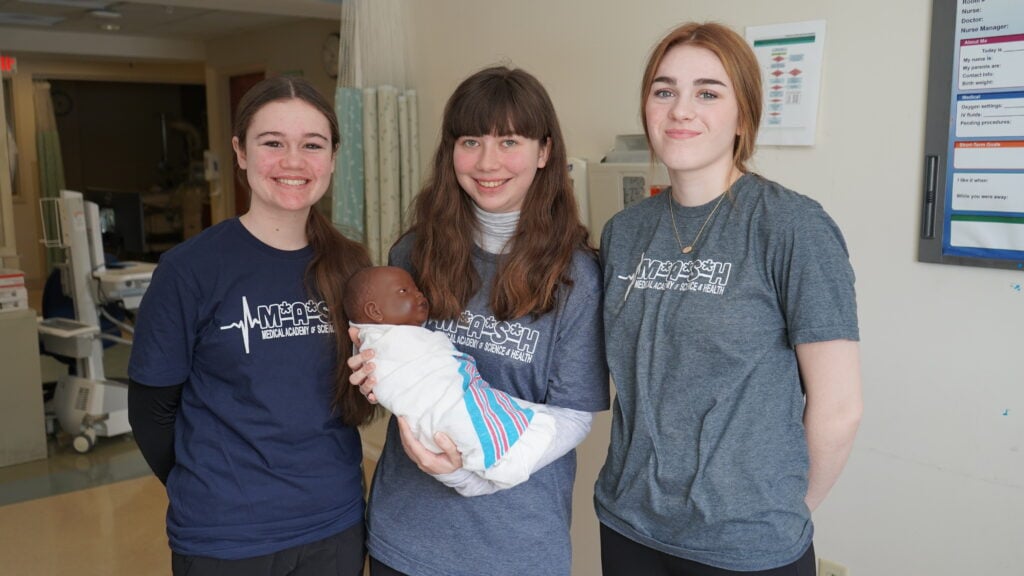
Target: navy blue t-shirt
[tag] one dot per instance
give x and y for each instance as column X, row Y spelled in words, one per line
column 262, row 463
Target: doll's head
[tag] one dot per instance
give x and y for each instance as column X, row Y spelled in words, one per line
column 385, row 295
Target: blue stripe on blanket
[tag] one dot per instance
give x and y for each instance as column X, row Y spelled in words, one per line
column 497, row 419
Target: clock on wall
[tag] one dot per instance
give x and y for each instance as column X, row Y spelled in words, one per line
column 62, row 103
column 329, row 54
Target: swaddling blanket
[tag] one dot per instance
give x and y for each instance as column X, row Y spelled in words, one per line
column 423, row 377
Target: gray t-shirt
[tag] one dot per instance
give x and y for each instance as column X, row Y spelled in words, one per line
column 708, row 458
column 420, row 527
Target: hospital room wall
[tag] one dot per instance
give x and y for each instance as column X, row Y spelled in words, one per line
column 935, row 484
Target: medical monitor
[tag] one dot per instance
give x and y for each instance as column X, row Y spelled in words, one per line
column 122, row 221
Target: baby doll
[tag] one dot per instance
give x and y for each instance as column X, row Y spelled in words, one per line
column 423, row 377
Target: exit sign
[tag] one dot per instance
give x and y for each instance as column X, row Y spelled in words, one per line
column 8, row 64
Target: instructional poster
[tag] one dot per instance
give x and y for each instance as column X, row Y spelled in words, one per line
column 984, row 215
column 790, row 59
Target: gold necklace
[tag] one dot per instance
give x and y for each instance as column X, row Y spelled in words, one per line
column 671, row 214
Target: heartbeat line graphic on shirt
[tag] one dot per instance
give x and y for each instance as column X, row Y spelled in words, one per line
column 282, row 320
column 244, row 324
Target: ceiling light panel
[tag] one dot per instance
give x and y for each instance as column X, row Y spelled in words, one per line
column 11, row 19
column 83, row 4
column 107, row 14
column 223, row 23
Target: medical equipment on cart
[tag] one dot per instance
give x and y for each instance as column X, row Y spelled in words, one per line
column 86, row 403
column 622, row 178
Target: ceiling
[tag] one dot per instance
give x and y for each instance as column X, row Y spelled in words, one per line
column 181, row 19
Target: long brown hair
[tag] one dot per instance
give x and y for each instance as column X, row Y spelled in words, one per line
column 740, row 64
column 503, row 102
column 335, row 257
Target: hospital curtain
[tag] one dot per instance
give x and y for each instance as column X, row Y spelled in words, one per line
column 377, row 168
column 51, row 164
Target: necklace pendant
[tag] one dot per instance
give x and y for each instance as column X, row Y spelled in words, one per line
column 687, row 249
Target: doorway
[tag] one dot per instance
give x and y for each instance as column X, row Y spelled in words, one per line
column 136, row 149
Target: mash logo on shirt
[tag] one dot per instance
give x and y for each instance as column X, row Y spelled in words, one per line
column 701, row 275
column 282, row 320
column 509, row 339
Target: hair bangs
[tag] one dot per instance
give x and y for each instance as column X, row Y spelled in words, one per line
column 499, row 106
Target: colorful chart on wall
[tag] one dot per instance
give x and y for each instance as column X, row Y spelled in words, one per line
column 973, row 200
column 790, row 57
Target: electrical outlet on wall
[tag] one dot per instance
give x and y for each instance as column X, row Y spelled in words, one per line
column 830, row 568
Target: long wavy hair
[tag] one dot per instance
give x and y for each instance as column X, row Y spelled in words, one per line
column 503, row 102
column 335, row 257
column 740, row 64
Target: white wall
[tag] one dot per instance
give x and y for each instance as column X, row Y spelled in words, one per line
column 935, row 484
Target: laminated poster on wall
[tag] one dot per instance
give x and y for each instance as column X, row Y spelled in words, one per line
column 985, row 177
column 790, row 57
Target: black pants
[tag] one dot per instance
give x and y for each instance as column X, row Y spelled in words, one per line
column 378, row 569
column 338, row 555
column 621, row 556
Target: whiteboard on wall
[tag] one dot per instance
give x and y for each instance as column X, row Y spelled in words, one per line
column 973, row 199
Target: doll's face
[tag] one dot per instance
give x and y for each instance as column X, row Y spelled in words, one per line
column 397, row 299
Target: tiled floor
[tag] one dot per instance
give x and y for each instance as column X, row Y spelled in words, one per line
column 64, row 470
column 109, row 530
column 99, row 513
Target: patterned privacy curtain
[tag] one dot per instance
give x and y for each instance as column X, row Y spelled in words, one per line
column 51, row 164
column 377, row 168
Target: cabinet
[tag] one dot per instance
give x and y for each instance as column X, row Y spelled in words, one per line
column 22, row 420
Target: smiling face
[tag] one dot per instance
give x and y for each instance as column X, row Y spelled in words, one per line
column 497, row 171
column 287, row 156
column 692, row 114
column 395, row 299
